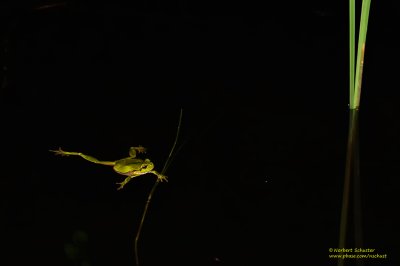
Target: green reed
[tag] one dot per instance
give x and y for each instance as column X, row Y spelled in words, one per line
column 356, row 78
column 352, row 175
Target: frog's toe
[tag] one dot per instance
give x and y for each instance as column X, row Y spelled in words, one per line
column 60, row 152
column 163, row 178
column 121, row 185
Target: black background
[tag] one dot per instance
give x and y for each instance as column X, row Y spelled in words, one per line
column 264, row 92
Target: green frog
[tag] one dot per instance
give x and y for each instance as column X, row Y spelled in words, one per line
column 130, row 166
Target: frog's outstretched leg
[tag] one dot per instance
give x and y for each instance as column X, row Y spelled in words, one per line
column 84, row 156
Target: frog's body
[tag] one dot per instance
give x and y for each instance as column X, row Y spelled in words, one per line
column 130, row 166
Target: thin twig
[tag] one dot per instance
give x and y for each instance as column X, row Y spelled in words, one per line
column 166, row 165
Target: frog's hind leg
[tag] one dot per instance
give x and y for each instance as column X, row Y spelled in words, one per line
column 94, row 160
column 84, row 156
column 134, row 150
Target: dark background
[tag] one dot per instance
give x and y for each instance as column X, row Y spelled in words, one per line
column 264, row 92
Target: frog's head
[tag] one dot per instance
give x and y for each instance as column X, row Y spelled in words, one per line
column 146, row 166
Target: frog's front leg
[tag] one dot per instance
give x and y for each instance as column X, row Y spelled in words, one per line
column 127, row 179
column 84, row 156
column 123, row 183
column 160, row 177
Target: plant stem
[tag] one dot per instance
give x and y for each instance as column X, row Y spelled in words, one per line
column 153, row 189
column 349, row 172
column 352, row 45
column 355, row 90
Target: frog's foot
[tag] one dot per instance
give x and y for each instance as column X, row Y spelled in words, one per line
column 162, row 178
column 123, row 183
column 134, row 150
column 60, row 152
column 140, row 149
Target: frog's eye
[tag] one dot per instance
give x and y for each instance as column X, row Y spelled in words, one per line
column 145, row 166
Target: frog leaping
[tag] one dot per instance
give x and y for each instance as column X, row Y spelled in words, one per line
column 130, row 166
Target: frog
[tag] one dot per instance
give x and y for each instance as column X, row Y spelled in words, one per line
column 130, row 166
